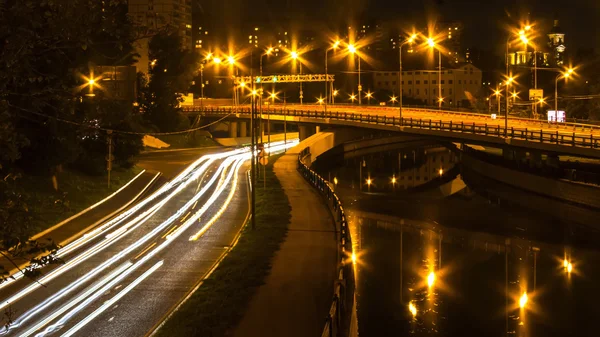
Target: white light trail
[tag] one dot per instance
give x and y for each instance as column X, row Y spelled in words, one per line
column 112, row 301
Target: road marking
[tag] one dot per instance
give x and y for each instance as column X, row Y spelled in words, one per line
column 169, row 232
column 145, row 250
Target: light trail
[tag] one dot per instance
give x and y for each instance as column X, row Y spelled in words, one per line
column 227, row 172
column 66, row 307
column 112, row 301
column 104, row 244
column 124, row 252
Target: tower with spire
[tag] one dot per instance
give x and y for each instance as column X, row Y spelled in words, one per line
column 556, row 42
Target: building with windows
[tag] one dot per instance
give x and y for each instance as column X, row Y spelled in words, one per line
column 153, row 15
column 201, row 37
column 457, row 84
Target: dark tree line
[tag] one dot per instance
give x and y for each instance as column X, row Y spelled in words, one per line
column 48, row 49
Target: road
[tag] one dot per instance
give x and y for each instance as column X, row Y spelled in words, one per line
column 123, row 277
column 457, row 118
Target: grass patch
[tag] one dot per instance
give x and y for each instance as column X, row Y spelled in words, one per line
column 218, row 305
column 76, row 191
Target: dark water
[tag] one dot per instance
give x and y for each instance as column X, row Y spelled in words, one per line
column 482, row 252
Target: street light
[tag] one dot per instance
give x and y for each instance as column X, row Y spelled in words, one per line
column 335, row 45
column 523, row 300
column 431, row 44
column 368, row 96
column 294, row 55
column 335, row 93
column 217, row 60
column 352, row 49
column 412, row 38
column 266, row 53
column 352, row 98
column 431, row 279
column 508, row 82
column 564, row 75
column 393, row 99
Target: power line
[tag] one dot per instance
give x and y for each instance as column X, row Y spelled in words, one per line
column 123, row 131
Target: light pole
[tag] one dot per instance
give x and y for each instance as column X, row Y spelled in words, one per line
column 368, row 96
column 268, row 52
column 564, row 75
column 352, row 49
column 497, row 93
column 508, row 82
column 410, row 40
column 431, row 44
column 334, row 46
column 294, row 55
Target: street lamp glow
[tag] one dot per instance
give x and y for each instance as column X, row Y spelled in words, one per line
column 523, row 300
column 393, row 179
column 231, row 60
column 351, row 48
column 254, row 92
column 413, row 309
column 441, row 99
column 524, row 39
column 441, row 171
column 217, row 60
column 336, row 44
column 353, row 97
column 394, row 98
column 335, row 181
column 243, row 84
column 514, row 95
column 369, row 94
column 91, row 81
column 369, row 181
column 353, row 257
column 565, row 263
column 294, row 55
column 320, row 100
column 569, row 268
column 431, row 279
column 430, row 42
column 209, row 56
column 335, row 93
column 497, row 92
column 412, row 38
column 269, row 51
column 528, row 27
column 273, row 95
column 509, row 80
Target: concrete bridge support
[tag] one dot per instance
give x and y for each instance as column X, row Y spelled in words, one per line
column 243, row 129
column 233, row 129
column 305, row 131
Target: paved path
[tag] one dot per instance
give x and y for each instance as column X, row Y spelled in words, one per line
column 297, row 294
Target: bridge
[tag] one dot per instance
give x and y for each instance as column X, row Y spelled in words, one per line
column 520, row 135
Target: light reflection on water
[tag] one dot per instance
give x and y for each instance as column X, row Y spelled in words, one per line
column 484, row 256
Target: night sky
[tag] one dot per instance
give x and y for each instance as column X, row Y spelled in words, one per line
column 484, row 21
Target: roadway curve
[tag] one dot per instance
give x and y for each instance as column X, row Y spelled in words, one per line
column 123, row 277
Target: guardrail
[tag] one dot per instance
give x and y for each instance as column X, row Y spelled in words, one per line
column 570, row 123
column 337, row 321
column 558, row 137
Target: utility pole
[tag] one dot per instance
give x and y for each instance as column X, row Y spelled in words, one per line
column 110, row 157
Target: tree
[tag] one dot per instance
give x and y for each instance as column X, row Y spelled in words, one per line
column 47, row 48
column 172, row 70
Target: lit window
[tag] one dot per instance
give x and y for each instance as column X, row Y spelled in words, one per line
column 188, row 26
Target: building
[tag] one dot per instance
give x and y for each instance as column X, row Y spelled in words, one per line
column 253, row 37
column 556, row 43
column 453, row 40
column 458, row 84
column 201, row 38
column 154, row 15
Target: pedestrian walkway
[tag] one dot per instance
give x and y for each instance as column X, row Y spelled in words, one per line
column 68, row 230
column 297, row 294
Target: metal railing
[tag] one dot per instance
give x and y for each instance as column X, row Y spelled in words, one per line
column 563, row 136
column 337, row 321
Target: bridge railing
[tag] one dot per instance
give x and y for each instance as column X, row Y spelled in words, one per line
column 558, row 136
column 337, row 321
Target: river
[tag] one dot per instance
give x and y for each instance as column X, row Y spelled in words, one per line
column 439, row 255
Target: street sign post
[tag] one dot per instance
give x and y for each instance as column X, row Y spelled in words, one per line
column 536, row 94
